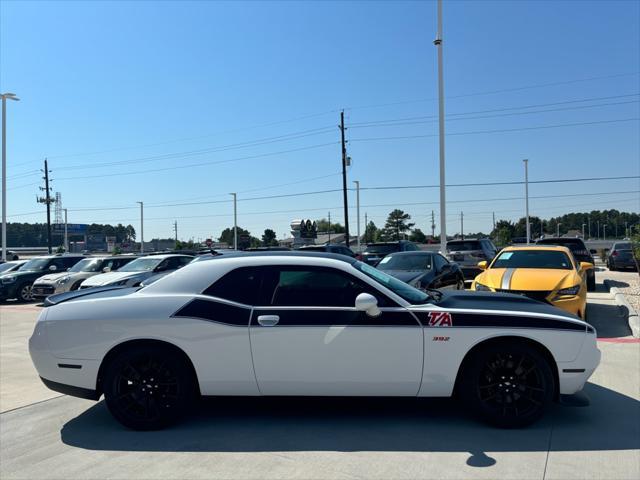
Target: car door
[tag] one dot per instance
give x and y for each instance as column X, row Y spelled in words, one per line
column 307, row 338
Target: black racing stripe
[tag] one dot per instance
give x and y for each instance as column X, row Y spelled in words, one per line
column 335, row 318
column 503, row 321
column 217, row 312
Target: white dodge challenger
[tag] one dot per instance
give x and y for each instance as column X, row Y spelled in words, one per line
column 308, row 325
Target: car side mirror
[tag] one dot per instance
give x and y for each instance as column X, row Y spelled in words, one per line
column 365, row 302
column 482, row 265
column 106, row 269
column 53, row 268
column 586, row 265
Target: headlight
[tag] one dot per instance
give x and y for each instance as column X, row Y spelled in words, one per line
column 482, row 288
column 9, row 279
column 568, row 291
column 62, row 281
column 119, row 283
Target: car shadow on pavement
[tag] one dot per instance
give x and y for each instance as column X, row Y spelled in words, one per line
column 617, row 283
column 610, row 321
column 255, row 424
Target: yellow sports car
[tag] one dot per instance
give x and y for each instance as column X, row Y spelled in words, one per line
column 548, row 274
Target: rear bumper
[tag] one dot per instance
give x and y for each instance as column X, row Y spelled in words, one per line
column 573, row 375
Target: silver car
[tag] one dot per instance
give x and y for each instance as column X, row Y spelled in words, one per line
column 468, row 252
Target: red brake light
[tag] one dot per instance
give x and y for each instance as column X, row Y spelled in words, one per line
column 614, row 253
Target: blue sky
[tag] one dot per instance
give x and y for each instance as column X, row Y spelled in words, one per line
column 184, row 102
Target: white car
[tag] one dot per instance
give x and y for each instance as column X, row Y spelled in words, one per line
column 71, row 279
column 141, row 269
column 308, row 325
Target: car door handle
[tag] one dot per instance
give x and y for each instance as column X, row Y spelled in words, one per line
column 268, row 320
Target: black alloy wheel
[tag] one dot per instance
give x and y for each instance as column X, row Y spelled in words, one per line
column 148, row 388
column 508, row 385
column 24, row 292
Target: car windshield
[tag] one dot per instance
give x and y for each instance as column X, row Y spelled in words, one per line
column 141, row 265
column 6, row 266
column 318, row 248
column 404, row 290
column 622, row 246
column 388, row 248
column 418, row 261
column 533, row 259
column 459, row 246
column 88, row 265
column 35, row 265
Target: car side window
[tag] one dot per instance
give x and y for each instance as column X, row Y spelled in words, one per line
column 314, row 287
column 59, row 263
column 241, row 285
column 182, row 261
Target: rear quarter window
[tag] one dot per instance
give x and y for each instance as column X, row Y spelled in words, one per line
column 241, row 285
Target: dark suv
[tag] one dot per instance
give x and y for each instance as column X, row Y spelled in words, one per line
column 580, row 253
column 468, row 252
column 17, row 284
column 340, row 249
column 377, row 251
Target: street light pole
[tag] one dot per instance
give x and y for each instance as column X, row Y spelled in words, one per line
column 235, row 222
column 10, row 96
column 558, row 230
column 443, row 210
column 583, row 225
column 598, row 235
column 141, row 226
column 604, row 232
column 66, row 237
column 358, row 211
column 526, row 194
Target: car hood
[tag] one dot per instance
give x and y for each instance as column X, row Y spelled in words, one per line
column 406, row 276
column 111, row 277
column 546, row 279
column 479, row 301
column 52, row 277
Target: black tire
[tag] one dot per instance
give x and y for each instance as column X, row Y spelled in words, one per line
column 508, row 385
column 76, row 285
column 591, row 283
column 612, row 267
column 24, row 292
column 460, row 284
column 148, row 388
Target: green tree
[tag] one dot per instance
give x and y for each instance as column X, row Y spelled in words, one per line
column 325, row 227
column 371, row 233
column 418, row 236
column 397, row 225
column 269, row 238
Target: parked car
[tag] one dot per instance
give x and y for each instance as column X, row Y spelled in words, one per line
column 11, row 255
column 139, row 270
column 621, row 256
column 330, row 248
column 11, row 266
column 545, row 273
column 468, row 252
column 580, row 252
column 374, row 252
column 423, row 270
column 71, row 279
column 265, row 324
column 17, row 284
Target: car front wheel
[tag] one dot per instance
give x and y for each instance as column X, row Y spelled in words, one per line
column 507, row 385
column 24, row 293
column 148, row 388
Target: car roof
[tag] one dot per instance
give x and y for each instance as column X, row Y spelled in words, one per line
column 551, row 248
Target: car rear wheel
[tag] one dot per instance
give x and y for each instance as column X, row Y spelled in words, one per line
column 507, row 385
column 148, row 388
column 24, row 293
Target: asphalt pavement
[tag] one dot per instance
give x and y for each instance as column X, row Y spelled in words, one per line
column 47, row 435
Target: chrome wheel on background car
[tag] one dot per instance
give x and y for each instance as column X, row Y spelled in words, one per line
column 24, row 293
column 148, row 388
column 508, row 385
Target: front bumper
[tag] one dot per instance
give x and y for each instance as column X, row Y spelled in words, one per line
column 43, row 290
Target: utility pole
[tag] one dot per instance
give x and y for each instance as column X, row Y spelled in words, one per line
column 604, row 232
column 66, row 236
column 175, row 230
column 558, row 229
column 329, row 242
column 461, row 225
column 526, row 194
column 141, row 226
column 48, row 201
column 598, row 235
column 344, row 179
column 626, row 230
column 494, row 221
column 433, row 225
column 589, row 225
column 235, row 221
column 583, row 225
column 4, row 96
column 358, row 211
column 366, row 228
column 443, row 210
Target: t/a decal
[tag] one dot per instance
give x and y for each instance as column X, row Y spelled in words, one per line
column 440, row 319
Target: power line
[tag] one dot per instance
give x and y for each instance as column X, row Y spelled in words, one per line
column 478, row 132
column 503, row 109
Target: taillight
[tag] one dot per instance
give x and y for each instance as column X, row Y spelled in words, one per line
column 614, row 254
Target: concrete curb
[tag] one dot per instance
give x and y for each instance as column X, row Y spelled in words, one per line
column 621, row 301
